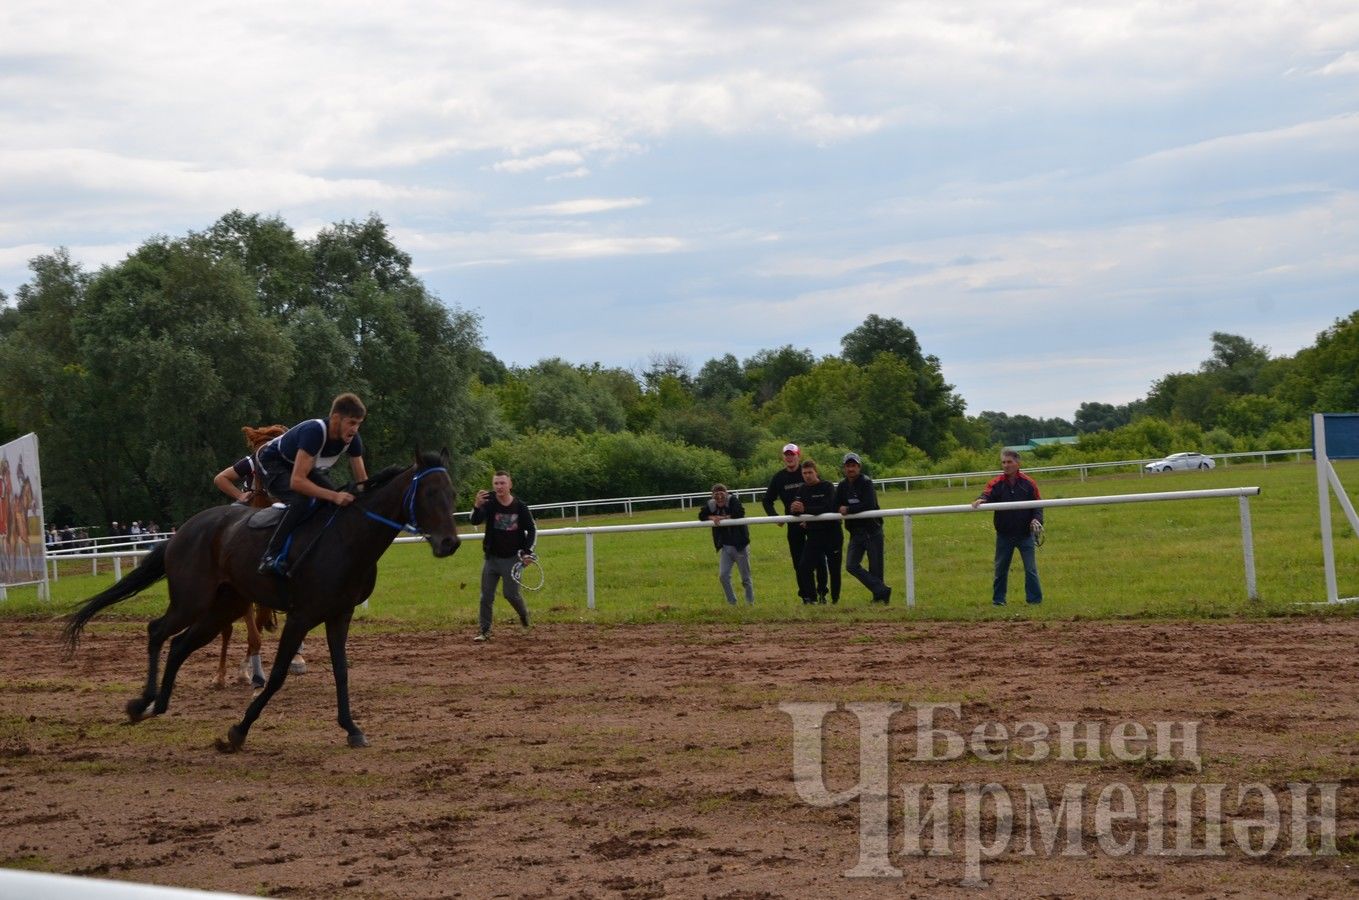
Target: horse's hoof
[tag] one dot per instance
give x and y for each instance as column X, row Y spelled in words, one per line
column 218, row 684
column 298, row 666
column 233, row 740
column 136, row 709
column 357, row 740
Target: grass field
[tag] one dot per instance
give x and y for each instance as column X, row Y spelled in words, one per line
column 1168, row 559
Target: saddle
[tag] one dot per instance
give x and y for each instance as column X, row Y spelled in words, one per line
column 267, row 517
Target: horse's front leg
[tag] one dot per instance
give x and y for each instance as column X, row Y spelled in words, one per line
column 337, row 634
column 288, row 642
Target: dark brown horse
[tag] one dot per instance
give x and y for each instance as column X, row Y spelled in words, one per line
column 210, row 563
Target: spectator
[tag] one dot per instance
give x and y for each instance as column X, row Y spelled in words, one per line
column 1016, row 529
column 825, row 540
column 510, row 536
column 732, row 541
column 784, row 486
column 856, row 495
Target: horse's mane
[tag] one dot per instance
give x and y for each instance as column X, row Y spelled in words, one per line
column 428, row 460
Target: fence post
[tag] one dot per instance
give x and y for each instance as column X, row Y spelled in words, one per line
column 590, row 570
column 117, row 568
column 910, row 562
column 1248, row 548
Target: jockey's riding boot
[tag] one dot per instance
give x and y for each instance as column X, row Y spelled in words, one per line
column 275, row 559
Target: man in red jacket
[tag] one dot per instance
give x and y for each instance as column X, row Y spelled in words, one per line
column 1015, row 528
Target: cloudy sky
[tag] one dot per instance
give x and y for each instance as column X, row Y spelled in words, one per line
column 1062, row 200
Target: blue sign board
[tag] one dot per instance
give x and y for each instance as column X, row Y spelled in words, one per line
column 1342, row 435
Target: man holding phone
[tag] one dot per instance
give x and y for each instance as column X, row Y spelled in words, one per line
column 510, row 536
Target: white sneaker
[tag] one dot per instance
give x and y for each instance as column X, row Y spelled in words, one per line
column 482, row 638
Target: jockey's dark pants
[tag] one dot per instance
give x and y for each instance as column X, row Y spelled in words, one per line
column 299, row 505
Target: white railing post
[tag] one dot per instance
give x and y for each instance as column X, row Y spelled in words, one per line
column 589, row 570
column 117, row 568
column 1248, row 548
column 910, row 561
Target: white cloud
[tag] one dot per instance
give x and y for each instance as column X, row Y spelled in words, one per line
column 585, row 206
column 532, row 163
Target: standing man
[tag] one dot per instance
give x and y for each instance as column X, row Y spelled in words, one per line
column 784, row 486
column 510, row 535
column 825, row 540
column 1015, row 528
column 856, row 495
column 732, row 541
column 293, row 467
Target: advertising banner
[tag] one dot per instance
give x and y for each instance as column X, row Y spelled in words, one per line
column 22, row 544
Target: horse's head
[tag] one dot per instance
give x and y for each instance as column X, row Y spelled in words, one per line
column 431, row 503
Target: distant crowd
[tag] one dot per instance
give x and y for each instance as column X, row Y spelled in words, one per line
column 66, row 538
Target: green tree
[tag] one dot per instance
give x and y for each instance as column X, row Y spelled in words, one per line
column 878, row 335
column 720, row 379
column 826, row 404
column 553, row 395
column 769, row 370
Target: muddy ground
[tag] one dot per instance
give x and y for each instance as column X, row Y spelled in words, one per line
column 654, row 761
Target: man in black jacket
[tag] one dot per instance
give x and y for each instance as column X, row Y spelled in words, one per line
column 510, row 535
column 785, row 486
column 731, row 541
column 1015, row 528
column 825, row 540
column 856, row 495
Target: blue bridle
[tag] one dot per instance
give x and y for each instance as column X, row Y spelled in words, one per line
column 407, row 503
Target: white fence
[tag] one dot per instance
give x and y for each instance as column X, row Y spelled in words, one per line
column 907, row 514
column 1083, row 470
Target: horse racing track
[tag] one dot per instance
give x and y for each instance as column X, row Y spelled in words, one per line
column 650, row 761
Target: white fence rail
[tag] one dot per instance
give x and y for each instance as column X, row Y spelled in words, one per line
column 907, row 514
column 628, row 504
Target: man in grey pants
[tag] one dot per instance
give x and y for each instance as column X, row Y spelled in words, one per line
column 510, row 535
column 732, row 541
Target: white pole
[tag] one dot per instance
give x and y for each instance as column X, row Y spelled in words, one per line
column 1324, row 496
column 1248, row 548
column 910, row 562
column 589, row 570
column 117, row 568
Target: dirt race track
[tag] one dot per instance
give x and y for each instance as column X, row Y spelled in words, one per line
column 654, row 761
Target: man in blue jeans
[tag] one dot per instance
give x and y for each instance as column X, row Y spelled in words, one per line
column 1015, row 528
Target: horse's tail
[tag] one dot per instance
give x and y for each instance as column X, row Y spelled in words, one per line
column 151, row 570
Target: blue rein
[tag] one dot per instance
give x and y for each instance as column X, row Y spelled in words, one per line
column 407, row 503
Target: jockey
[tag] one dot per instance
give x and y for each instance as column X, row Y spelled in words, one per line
column 245, row 470
column 292, row 467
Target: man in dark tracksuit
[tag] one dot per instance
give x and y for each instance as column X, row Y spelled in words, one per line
column 856, row 495
column 1015, row 528
column 784, row 486
column 825, row 540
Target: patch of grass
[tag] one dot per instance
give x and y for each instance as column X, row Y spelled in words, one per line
column 28, row 863
column 1145, row 560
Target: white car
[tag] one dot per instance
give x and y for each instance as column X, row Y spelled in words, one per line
column 1181, row 461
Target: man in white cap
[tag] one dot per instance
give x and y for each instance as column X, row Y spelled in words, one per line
column 784, row 486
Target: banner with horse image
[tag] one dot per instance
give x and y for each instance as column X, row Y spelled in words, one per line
column 22, row 547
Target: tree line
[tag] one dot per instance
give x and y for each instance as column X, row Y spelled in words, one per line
column 138, row 376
